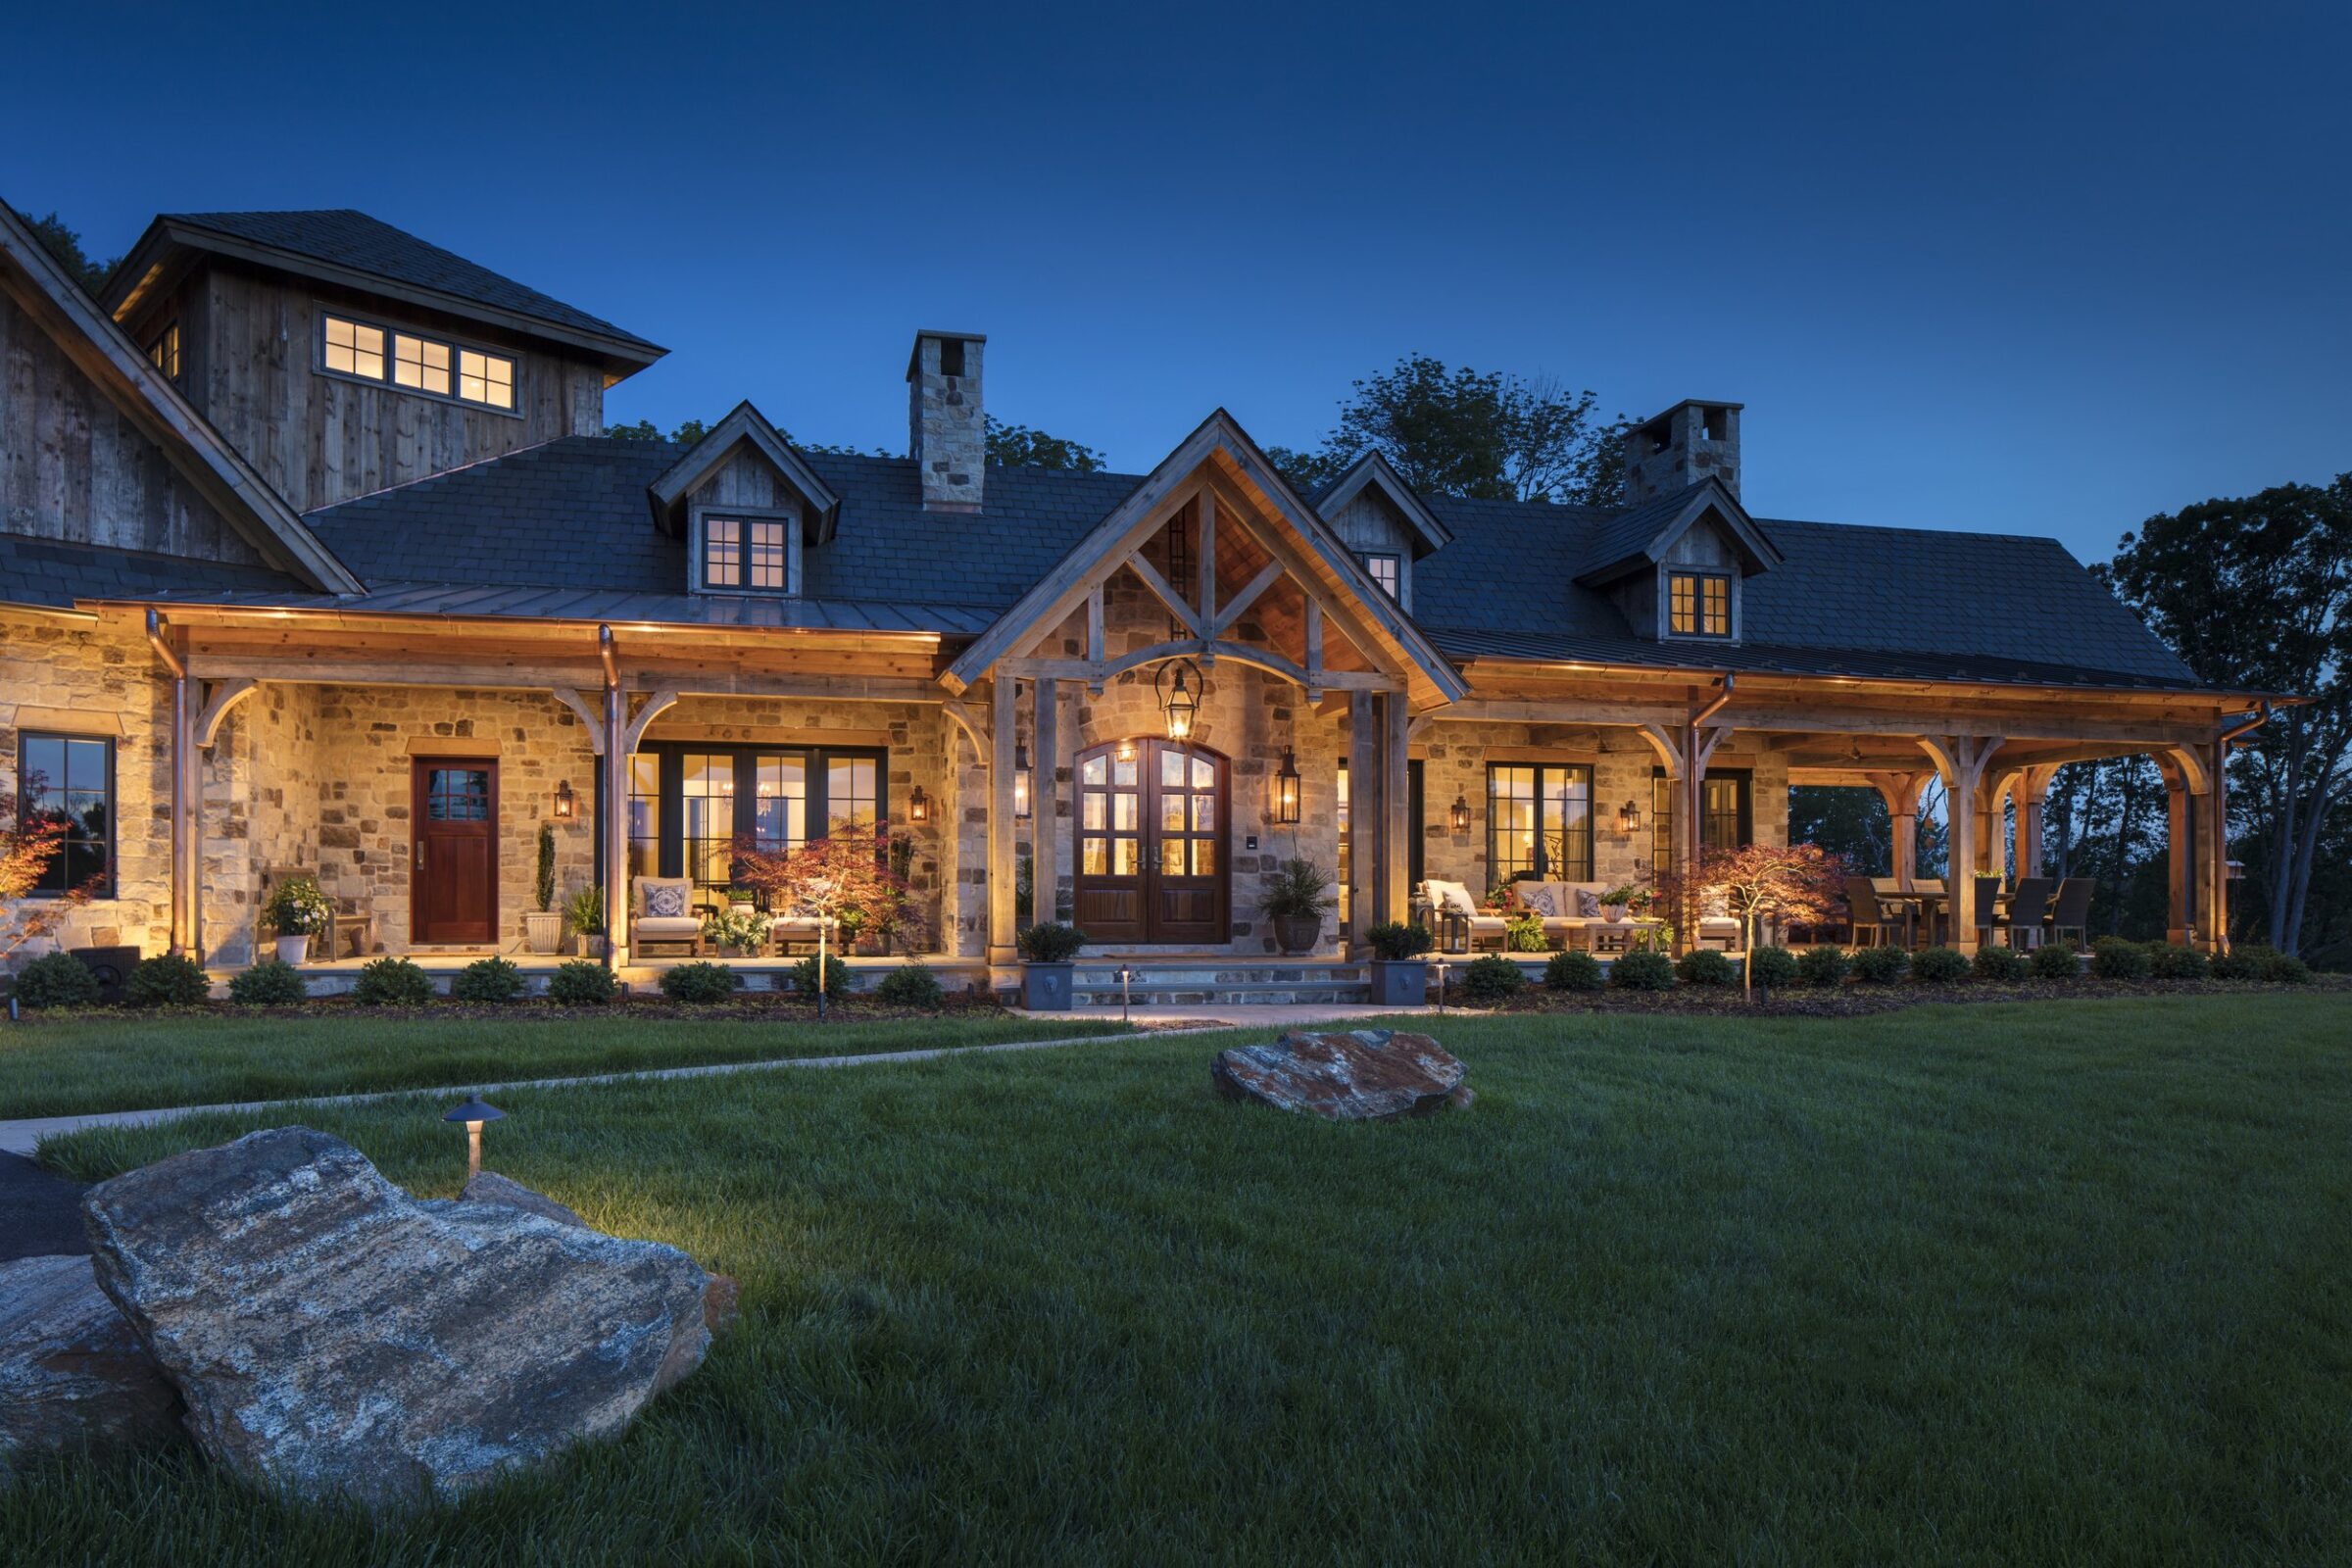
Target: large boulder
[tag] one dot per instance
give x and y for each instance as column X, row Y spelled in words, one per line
column 1345, row 1075
column 72, row 1374
column 489, row 1187
column 332, row 1336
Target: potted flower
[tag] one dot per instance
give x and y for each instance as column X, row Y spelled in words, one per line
column 1613, row 902
column 738, row 933
column 296, row 910
column 585, row 912
column 1046, row 949
column 1399, row 974
column 543, row 927
column 1294, row 897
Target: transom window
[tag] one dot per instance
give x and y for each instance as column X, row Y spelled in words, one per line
column 1540, row 822
column 165, row 350
column 1384, row 570
column 747, row 553
column 1698, row 604
column 414, row 363
column 69, row 780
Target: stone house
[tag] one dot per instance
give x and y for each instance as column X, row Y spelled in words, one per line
column 313, row 558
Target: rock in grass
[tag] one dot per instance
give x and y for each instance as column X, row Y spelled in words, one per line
column 1345, row 1075
column 73, row 1374
column 489, row 1187
column 332, row 1336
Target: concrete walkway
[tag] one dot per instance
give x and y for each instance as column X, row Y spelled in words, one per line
column 22, row 1137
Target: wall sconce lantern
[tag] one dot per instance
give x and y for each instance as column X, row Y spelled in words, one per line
column 1179, row 701
column 566, row 805
column 1461, row 813
column 918, row 806
column 1020, row 782
column 1628, row 819
column 473, row 1113
column 1286, row 789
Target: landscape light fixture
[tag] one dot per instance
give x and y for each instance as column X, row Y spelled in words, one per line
column 1461, row 813
column 1179, row 702
column 1020, row 782
column 1286, row 789
column 918, row 806
column 473, row 1113
column 565, row 803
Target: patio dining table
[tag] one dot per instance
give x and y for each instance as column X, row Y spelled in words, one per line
column 1934, row 909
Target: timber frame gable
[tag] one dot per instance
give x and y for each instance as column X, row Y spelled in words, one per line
column 1656, row 531
column 745, row 426
column 1372, row 470
column 101, row 351
column 1222, row 471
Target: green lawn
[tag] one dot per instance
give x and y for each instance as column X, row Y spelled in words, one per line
column 1995, row 1283
column 133, row 1061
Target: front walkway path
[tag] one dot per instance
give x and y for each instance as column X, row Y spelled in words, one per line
column 22, row 1137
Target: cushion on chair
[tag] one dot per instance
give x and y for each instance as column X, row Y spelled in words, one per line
column 667, row 928
column 1451, row 896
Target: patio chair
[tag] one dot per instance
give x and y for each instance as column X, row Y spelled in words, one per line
column 2072, row 912
column 1871, row 917
column 662, row 912
column 2029, row 905
column 1988, row 908
column 1455, row 896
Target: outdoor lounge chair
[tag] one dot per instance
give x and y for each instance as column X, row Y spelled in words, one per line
column 1455, row 896
column 661, row 911
column 2072, row 912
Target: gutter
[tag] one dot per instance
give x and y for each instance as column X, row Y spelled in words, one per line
column 2249, row 726
column 1720, row 700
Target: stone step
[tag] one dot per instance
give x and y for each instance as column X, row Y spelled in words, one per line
column 1230, row 995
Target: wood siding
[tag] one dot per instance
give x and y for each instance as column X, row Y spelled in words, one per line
column 74, row 467
column 1370, row 523
column 250, row 365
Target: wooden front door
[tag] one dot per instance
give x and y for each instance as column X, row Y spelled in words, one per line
column 1152, row 838
column 452, row 865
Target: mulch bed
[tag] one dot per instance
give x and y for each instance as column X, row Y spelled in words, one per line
column 1854, row 1000
column 751, row 1007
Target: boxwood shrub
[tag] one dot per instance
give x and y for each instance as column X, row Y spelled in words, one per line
column 1705, row 967
column 698, row 982
column 909, row 985
column 1574, row 971
column 1938, row 966
column 1997, row 960
column 837, row 974
column 1492, row 978
column 2284, row 968
column 1772, row 967
column 581, row 983
column 1823, row 965
column 167, row 980
column 393, row 982
column 2057, row 960
column 2239, row 963
column 57, row 980
column 1644, row 969
column 268, row 983
column 487, row 980
column 1880, row 966
column 2114, row 958
column 2173, row 961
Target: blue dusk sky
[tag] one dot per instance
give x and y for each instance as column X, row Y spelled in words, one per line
column 2039, row 269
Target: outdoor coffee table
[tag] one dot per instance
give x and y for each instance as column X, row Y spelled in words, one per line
column 1621, row 935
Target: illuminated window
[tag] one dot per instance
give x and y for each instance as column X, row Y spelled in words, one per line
column 486, row 379
column 722, row 552
column 354, row 348
column 1539, row 820
column 1698, row 604
column 1383, row 569
column 69, row 781
column 748, row 552
column 165, row 350
column 765, row 548
column 421, row 362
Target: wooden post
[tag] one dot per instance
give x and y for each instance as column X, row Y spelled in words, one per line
column 2216, row 848
column 1001, row 826
column 1900, row 792
column 2030, row 792
column 1045, row 799
column 1963, row 760
column 1363, row 817
column 616, row 825
column 1396, row 898
column 2179, row 851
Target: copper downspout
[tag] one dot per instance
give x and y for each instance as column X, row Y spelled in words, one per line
column 1721, row 698
column 2220, row 823
column 183, row 891
column 615, row 873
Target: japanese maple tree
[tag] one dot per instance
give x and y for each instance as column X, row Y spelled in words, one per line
column 25, row 850
column 1800, row 884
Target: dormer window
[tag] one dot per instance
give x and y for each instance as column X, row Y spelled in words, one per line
column 1382, row 567
column 1698, row 604
column 748, row 552
column 412, row 361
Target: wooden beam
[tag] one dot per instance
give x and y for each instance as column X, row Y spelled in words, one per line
column 1190, row 648
column 1363, row 818
column 578, row 704
column 1314, row 648
column 1208, row 562
column 1396, row 897
column 224, row 695
column 1045, row 799
column 655, row 705
column 1507, row 711
column 1177, row 604
column 1268, row 576
column 1963, row 760
column 1094, row 634
column 1001, row 857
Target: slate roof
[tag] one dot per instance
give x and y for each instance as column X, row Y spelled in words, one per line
column 564, row 530
column 350, row 238
column 52, row 574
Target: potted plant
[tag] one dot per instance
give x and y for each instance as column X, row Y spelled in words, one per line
column 296, row 910
column 1294, row 897
column 585, row 912
column 1399, row 974
column 543, row 927
column 1046, row 949
column 738, row 933
column 1615, row 901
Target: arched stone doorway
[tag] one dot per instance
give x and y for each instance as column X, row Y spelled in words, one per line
column 1151, row 819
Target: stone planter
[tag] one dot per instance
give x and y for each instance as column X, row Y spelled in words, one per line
column 543, row 932
column 1612, row 912
column 294, row 949
column 1046, row 987
column 1399, row 982
column 1296, row 933
column 590, row 944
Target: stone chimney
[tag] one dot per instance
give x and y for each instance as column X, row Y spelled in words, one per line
column 946, row 429
column 1686, row 443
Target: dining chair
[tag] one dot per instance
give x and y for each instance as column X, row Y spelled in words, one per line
column 2072, row 912
column 1869, row 915
column 1988, row 912
column 2028, row 907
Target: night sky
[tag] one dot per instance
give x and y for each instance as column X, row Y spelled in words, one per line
column 2021, row 269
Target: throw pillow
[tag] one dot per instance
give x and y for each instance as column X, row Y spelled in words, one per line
column 1541, row 898
column 1587, row 903
column 1453, row 896
column 665, row 902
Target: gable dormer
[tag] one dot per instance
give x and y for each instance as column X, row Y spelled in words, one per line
column 748, row 506
column 1675, row 566
column 1377, row 515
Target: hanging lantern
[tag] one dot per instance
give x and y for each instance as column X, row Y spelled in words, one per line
column 1286, row 789
column 564, row 803
column 1020, row 782
column 1461, row 813
column 1628, row 819
column 918, row 806
column 1179, row 699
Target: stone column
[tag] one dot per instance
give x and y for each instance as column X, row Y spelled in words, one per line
column 1363, row 817
column 1045, row 799
column 1001, row 825
column 1396, row 897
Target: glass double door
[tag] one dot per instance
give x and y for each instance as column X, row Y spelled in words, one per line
column 1151, row 838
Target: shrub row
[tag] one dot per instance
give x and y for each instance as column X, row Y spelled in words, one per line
column 2110, row 958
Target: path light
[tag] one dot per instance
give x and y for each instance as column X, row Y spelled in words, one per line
column 1286, row 789
column 1461, row 813
column 1020, row 782
column 473, row 1113
column 918, row 806
column 564, row 805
